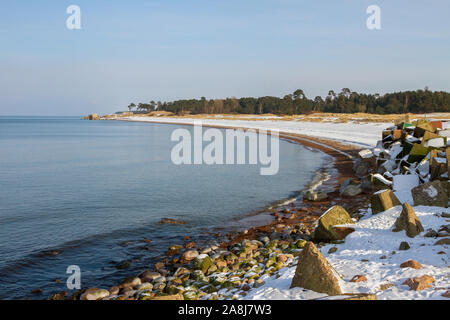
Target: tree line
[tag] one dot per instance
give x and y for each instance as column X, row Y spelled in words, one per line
column 346, row 101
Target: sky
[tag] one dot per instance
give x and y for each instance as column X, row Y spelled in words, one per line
column 142, row 50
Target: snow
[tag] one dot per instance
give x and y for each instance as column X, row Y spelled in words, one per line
column 361, row 253
column 402, row 185
column 431, row 191
column 359, row 134
column 436, row 143
column 362, row 250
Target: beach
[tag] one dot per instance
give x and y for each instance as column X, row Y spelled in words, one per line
column 260, row 261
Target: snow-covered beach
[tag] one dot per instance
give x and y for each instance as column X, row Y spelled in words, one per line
column 370, row 261
column 373, row 249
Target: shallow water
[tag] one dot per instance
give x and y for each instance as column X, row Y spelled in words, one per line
column 94, row 190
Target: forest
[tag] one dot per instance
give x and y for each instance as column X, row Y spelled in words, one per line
column 346, row 101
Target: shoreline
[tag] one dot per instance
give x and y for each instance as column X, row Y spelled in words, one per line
column 288, row 212
column 260, row 262
column 305, row 212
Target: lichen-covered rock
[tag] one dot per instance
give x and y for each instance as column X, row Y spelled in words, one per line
column 430, row 194
column 418, row 153
column 168, row 297
column 315, row 273
column 313, row 195
column 383, row 200
column 336, row 215
column 202, row 262
column 349, row 188
column 408, row 221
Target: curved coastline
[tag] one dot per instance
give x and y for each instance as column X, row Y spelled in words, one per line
column 340, row 169
column 328, row 177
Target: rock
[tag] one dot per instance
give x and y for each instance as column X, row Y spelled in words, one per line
column 359, row 278
column 178, row 296
column 173, row 250
column 36, row 291
column 203, row 262
column 171, row 221
column 94, row 294
column 378, row 181
column 404, row 246
column 313, row 195
column 446, row 294
column 345, row 184
column 161, row 279
column 159, row 266
column 149, row 276
column 417, row 153
column 144, row 286
column 131, row 282
column 365, row 154
column 430, row 194
column 265, row 240
column 362, row 168
column 92, row 116
column 411, row 264
column 314, row 272
column 422, row 127
column 332, row 250
column 336, row 215
column 386, row 286
column 189, row 255
column 58, row 296
column 431, row 233
column 190, row 245
column 383, row 200
column 419, row 283
column 445, row 241
column 408, row 221
column 362, row 296
column 114, row 290
column 351, row 191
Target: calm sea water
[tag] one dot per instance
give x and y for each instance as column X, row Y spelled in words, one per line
column 94, row 190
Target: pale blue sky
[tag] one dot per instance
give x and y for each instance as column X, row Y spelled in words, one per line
column 137, row 51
